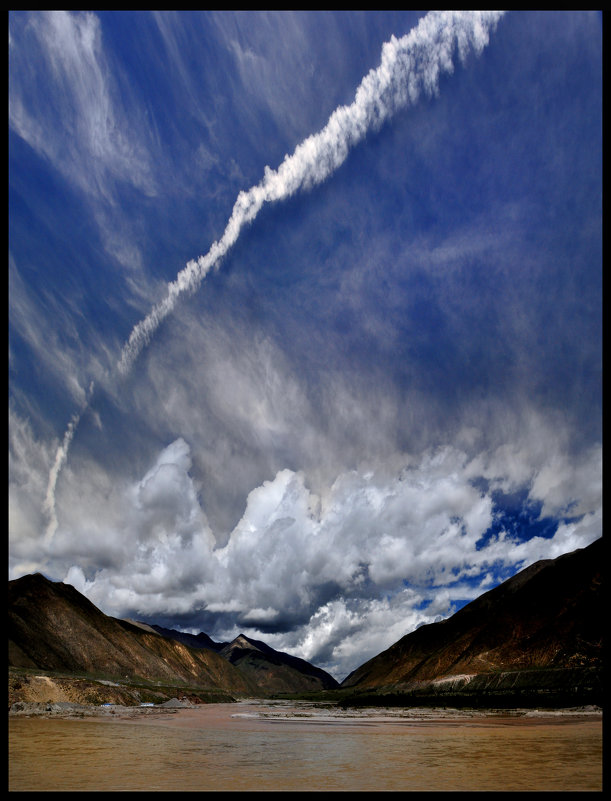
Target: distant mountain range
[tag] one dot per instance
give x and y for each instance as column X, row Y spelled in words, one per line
column 538, row 634
column 53, row 627
column 271, row 670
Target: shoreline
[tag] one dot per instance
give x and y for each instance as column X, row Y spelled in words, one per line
column 255, row 713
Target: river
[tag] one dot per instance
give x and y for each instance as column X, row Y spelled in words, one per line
column 255, row 746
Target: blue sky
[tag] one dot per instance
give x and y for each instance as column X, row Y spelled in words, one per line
column 304, row 328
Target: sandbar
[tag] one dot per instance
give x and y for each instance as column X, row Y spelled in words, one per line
column 255, row 714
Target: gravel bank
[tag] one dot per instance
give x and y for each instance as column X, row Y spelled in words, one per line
column 67, row 709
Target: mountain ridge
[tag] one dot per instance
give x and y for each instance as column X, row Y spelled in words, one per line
column 53, row 627
column 271, row 668
column 287, row 673
column 546, row 618
column 540, row 632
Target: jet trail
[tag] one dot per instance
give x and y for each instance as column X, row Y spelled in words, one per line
column 409, row 67
column 60, row 457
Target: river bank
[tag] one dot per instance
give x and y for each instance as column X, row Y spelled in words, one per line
column 290, row 711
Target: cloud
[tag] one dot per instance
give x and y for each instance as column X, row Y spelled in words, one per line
column 569, row 486
column 60, row 457
column 410, row 67
column 331, row 578
column 77, row 120
column 385, row 404
column 40, row 332
column 29, row 461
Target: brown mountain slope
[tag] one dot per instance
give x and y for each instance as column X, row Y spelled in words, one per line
column 546, row 618
column 200, row 640
column 53, row 627
column 274, row 670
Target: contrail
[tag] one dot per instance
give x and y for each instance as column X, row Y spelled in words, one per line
column 410, row 67
column 60, row 457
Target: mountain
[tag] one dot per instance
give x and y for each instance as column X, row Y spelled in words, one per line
column 54, row 627
column 538, row 635
column 200, row 640
column 271, row 670
column 539, row 632
column 274, row 670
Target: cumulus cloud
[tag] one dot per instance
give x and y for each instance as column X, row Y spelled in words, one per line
column 335, row 442
column 333, row 579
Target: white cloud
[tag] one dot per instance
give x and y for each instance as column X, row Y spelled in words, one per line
column 60, row 354
column 410, row 67
column 343, row 577
column 569, row 484
column 77, row 123
column 29, row 463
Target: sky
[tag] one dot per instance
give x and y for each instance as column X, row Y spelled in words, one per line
column 305, row 313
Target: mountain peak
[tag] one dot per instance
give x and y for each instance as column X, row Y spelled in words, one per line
column 52, row 626
column 242, row 643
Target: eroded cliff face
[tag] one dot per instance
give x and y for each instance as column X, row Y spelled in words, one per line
column 542, row 625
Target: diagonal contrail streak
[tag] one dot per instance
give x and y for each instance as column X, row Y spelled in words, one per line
column 410, row 67
column 61, row 455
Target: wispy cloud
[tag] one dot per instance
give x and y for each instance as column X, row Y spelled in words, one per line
column 60, row 360
column 410, row 67
column 75, row 119
column 388, row 401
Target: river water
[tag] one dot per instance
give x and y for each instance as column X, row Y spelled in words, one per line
column 253, row 746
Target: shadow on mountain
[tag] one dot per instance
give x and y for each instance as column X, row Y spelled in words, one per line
column 536, row 639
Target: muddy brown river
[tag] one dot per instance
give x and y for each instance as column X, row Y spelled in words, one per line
column 284, row 747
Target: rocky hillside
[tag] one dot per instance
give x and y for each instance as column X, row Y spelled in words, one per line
column 53, row 627
column 541, row 630
column 271, row 671
column 201, row 640
column 274, row 670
